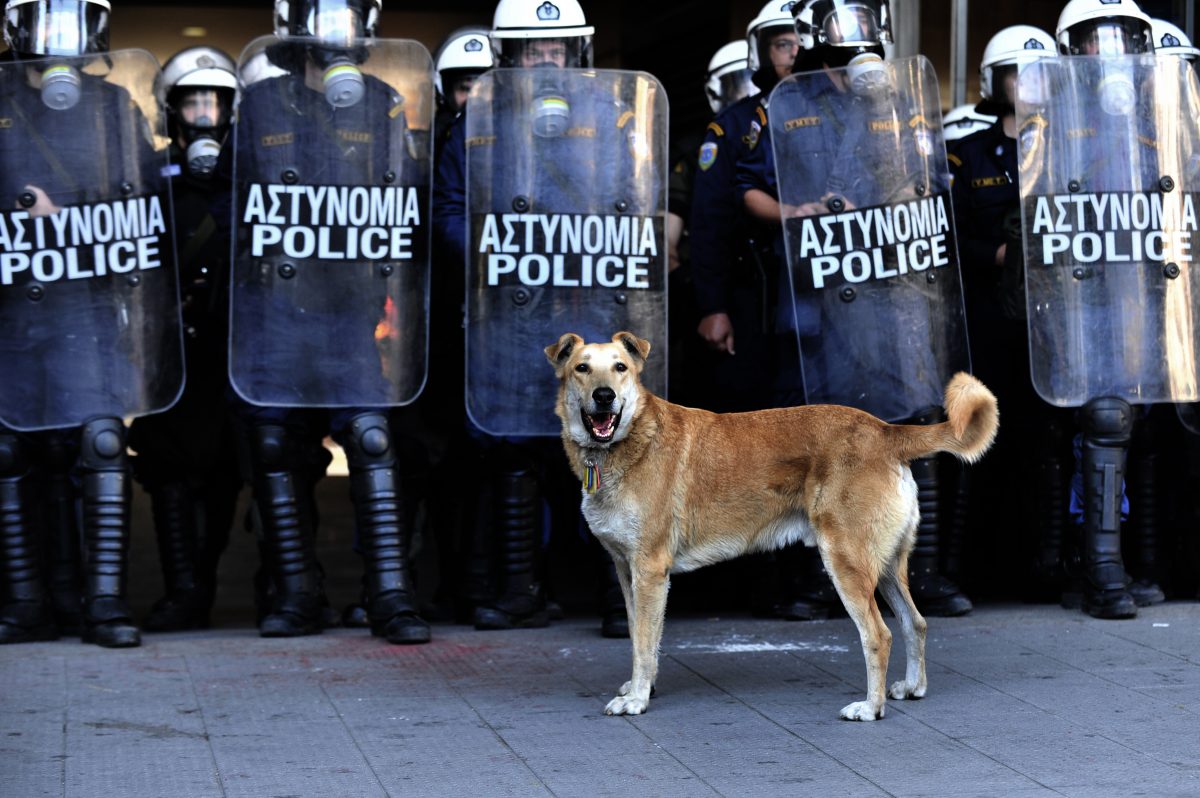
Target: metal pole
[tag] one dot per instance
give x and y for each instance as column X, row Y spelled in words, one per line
column 1189, row 19
column 906, row 27
column 958, row 53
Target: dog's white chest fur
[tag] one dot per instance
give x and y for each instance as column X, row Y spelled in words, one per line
column 616, row 523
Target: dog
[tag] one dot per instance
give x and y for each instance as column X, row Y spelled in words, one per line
column 668, row 489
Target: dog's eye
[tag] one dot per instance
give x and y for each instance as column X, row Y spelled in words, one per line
column 621, row 367
column 582, row 368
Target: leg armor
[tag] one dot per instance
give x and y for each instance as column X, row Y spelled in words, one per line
column 1107, row 427
column 105, row 489
column 295, row 607
column 24, row 610
column 516, row 530
column 173, row 506
column 384, row 528
column 1145, row 531
column 934, row 594
column 59, row 452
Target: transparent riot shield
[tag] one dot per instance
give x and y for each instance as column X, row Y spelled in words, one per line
column 89, row 301
column 1109, row 214
column 566, row 204
column 329, row 301
column 876, row 296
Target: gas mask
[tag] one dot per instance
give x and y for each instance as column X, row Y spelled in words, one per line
column 201, row 118
column 340, row 76
column 868, row 75
column 61, row 87
column 550, row 112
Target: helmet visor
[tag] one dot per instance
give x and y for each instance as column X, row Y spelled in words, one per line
column 203, row 107
column 572, row 52
column 733, row 86
column 337, row 22
column 1109, row 36
column 851, row 25
column 57, row 27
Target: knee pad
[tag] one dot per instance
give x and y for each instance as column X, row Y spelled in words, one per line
column 102, row 445
column 12, row 455
column 368, row 441
column 511, row 459
column 1107, row 421
column 270, row 447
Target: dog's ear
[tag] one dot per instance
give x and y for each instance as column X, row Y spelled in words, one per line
column 638, row 348
column 559, row 352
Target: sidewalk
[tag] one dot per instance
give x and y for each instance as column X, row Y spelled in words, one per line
column 1022, row 702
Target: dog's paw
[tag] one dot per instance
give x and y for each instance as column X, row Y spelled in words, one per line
column 626, row 705
column 861, row 710
column 625, row 688
column 902, row 690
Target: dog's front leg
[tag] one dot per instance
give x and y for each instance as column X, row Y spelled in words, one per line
column 648, row 589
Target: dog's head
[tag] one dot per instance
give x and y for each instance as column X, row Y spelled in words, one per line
column 601, row 386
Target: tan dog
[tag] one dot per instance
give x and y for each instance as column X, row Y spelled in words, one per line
column 668, row 489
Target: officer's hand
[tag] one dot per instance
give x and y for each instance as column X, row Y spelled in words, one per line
column 44, row 206
column 804, row 209
column 1000, row 253
column 717, row 331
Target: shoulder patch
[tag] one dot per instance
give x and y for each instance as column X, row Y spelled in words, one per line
column 397, row 109
column 804, row 121
column 624, row 118
column 708, row 155
column 715, row 128
column 762, row 115
column 954, row 159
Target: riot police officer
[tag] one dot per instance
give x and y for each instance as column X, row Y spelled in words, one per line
column 547, row 137
column 186, row 457
column 987, row 218
column 84, row 352
column 348, row 338
column 735, row 273
column 1108, row 153
column 838, row 136
column 1169, row 39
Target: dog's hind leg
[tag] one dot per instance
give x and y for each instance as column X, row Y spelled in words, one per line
column 650, row 581
column 893, row 584
column 855, row 580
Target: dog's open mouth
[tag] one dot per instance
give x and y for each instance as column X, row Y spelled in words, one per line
column 601, row 426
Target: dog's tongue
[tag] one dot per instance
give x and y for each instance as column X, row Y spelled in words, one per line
column 602, row 424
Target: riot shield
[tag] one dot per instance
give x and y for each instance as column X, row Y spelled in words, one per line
column 1109, row 213
column 329, row 300
column 566, row 205
column 89, row 301
column 875, row 292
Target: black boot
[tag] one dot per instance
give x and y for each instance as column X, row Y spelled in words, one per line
column 105, row 489
column 805, row 590
column 295, row 604
column 1142, row 482
column 517, row 506
column 614, row 620
column 954, row 543
column 24, row 610
column 1107, row 426
column 384, row 527
column 934, row 594
column 64, row 558
column 1046, row 584
column 185, row 605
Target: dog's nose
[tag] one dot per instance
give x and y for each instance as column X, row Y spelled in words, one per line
column 604, row 396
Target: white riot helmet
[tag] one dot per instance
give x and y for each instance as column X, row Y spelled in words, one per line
column 35, row 28
column 1011, row 47
column 518, row 23
column 1103, row 27
column 466, row 51
column 335, row 22
column 339, row 26
column 847, row 33
column 774, row 15
column 1170, row 40
column 964, row 120
column 729, row 76
column 199, row 87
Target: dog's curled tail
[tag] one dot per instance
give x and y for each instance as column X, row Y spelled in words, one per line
column 973, row 417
